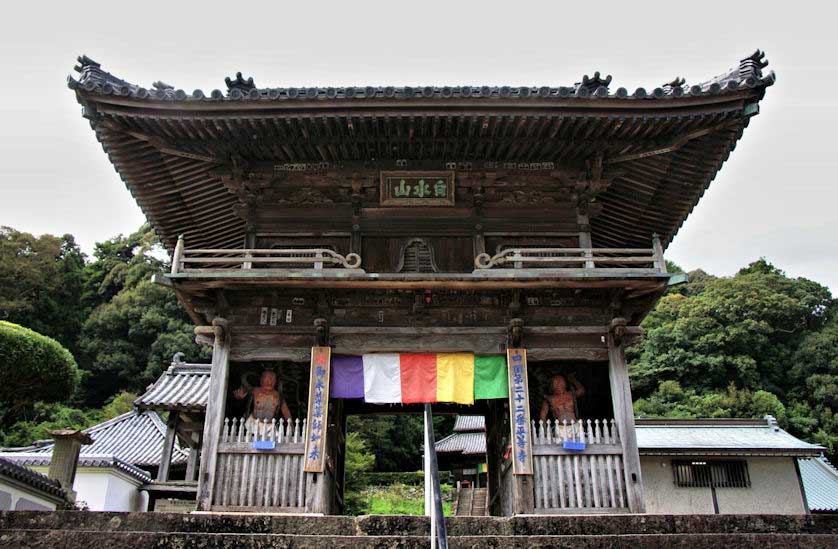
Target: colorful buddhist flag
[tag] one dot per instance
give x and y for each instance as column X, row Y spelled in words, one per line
column 490, row 377
column 415, row 378
column 455, row 378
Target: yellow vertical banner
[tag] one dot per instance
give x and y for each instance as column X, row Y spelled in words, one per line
column 519, row 411
column 318, row 409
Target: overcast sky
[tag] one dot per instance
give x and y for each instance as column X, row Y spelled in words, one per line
column 775, row 197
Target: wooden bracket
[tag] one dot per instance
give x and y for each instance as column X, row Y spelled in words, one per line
column 617, row 329
column 220, row 329
column 515, row 333
column 321, row 328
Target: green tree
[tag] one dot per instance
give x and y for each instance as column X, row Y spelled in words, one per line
column 41, row 284
column 753, row 344
column 136, row 325
column 742, row 330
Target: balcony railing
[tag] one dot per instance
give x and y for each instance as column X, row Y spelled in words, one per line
column 196, row 260
column 614, row 259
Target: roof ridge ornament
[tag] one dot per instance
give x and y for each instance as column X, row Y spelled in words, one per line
column 84, row 62
column 753, row 65
column 592, row 84
column 240, row 83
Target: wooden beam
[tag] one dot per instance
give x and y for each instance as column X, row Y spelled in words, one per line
column 624, row 418
column 674, row 145
column 215, row 415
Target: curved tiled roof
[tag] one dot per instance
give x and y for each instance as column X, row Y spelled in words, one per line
column 748, row 74
column 820, row 483
column 464, row 424
column 665, row 144
column 728, row 436
column 38, row 481
column 36, row 459
column 462, row 443
column 134, row 437
column 182, row 386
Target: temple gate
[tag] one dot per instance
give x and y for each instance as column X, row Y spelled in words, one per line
column 309, row 224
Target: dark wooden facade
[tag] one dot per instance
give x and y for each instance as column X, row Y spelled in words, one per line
column 533, row 217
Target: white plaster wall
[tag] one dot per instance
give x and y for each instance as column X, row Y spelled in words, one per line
column 105, row 489
column 18, row 492
column 662, row 496
column 124, row 494
column 774, row 489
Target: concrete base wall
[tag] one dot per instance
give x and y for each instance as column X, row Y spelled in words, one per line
column 774, row 489
column 117, row 530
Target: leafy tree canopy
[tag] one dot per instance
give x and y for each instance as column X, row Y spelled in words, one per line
column 753, row 344
column 41, row 281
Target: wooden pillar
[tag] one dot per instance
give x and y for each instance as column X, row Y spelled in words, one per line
column 585, row 241
column 624, row 417
column 168, row 446
column 192, row 463
column 495, row 428
column 215, row 414
column 318, row 448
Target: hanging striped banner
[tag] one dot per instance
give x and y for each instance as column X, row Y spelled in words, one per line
column 419, row 378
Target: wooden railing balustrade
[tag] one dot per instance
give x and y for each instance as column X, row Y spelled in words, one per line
column 569, row 480
column 197, row 260
column 614, row 259
column 260, row 465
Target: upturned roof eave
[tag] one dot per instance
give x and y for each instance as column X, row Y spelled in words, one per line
column 605, row 106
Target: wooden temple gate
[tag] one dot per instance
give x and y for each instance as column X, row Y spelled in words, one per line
column 420, row 220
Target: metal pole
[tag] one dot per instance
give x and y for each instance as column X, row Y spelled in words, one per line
column 426, row 457
column 439, row 537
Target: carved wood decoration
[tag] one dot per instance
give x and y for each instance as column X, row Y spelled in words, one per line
column 417, row 256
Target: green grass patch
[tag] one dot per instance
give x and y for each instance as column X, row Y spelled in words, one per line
column 396, row 499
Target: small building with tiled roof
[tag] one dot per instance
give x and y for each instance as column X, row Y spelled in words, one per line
column 702, row 465
column 116, row 468
column 23, row 489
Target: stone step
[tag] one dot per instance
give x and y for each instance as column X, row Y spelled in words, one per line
column 185, row 540
column 382, row 525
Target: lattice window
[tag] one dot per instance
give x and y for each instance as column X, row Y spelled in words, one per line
column 417, row 257
column 705, row 474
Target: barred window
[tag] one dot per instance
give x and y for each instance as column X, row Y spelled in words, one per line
column 718, row 474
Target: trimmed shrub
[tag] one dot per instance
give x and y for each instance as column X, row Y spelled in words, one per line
column 34, row 367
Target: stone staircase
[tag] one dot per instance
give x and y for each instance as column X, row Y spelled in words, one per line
column 470, row 502
column 75, row 529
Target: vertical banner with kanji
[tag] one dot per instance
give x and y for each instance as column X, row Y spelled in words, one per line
column 519, row 411
column 318, row 409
